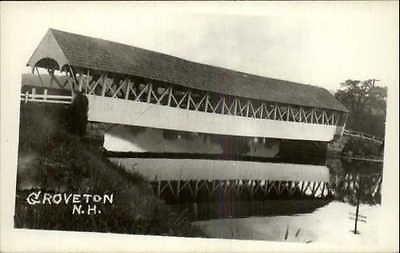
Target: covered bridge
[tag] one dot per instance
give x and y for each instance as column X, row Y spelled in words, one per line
column 252, row 125
column 178, row 94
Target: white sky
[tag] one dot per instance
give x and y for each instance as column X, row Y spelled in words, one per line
column 314, row 43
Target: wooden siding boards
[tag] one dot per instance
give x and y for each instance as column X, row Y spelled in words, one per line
column 128, row 112
column 102, row 55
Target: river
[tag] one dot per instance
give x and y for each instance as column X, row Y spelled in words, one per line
column 283, row 218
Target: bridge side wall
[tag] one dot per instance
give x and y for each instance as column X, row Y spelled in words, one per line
column 118, row 111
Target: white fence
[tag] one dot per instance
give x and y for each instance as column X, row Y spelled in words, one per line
column 362, row 135
column 44, row 98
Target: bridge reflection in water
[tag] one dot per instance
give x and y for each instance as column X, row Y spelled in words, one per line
column 210, row 199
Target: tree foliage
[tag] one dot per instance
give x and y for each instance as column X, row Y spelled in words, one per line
column 367, row 105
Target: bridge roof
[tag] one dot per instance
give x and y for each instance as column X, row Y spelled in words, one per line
column 98, row 54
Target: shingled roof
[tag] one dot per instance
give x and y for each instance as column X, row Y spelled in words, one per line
column 98, row 54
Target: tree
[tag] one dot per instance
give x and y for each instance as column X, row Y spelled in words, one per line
column 367, row 105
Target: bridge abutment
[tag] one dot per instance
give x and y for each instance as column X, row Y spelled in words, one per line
column 95, row 132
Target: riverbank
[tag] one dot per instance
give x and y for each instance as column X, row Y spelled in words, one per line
column 53, row 163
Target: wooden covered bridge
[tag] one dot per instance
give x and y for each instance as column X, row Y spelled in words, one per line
column 191, row 127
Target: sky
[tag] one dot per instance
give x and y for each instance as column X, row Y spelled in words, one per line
column 313, row 43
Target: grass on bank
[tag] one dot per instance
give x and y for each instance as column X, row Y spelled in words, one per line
column 53, row 160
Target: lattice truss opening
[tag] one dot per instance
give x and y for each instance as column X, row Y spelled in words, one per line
column 150, row 91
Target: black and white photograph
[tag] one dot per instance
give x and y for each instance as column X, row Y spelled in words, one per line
column 238, row 121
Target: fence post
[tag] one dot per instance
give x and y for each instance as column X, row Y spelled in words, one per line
column 358, row 204
column 45, row 95
column 33, row 94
